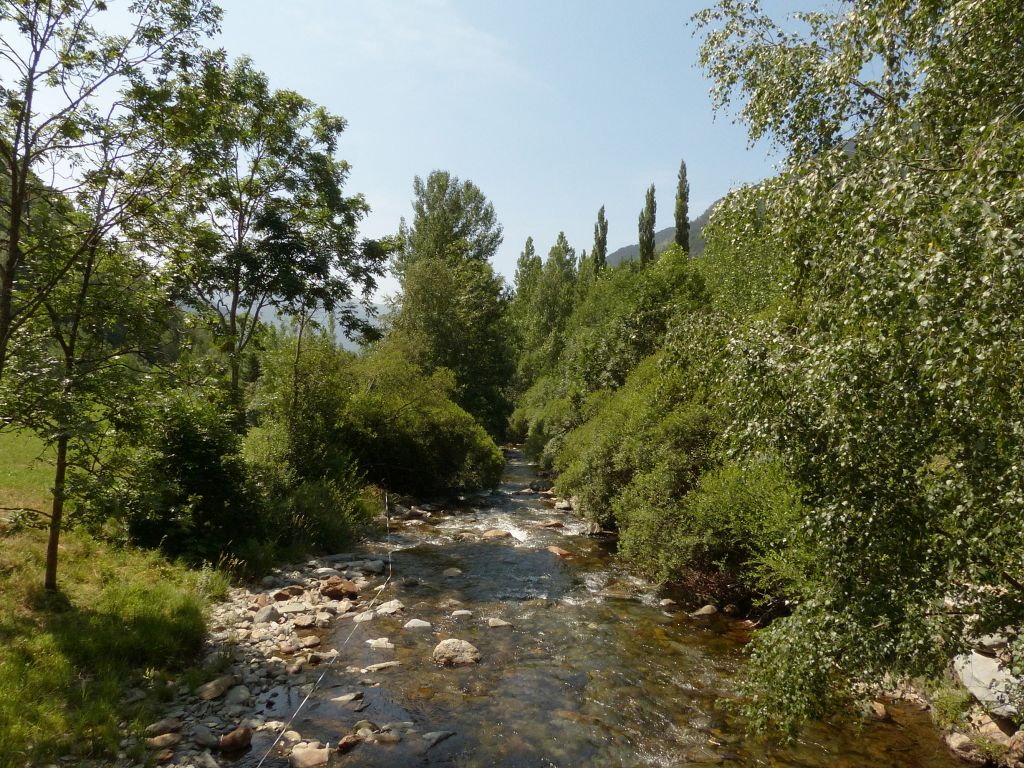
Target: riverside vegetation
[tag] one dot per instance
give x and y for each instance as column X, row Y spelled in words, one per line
column 814, row 416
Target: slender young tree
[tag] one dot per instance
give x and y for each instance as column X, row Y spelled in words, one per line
column 67, row 84
column 683, row 209
column 271, row 225
column 647, row 217
column 600, row 250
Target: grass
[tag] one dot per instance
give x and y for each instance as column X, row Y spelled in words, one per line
column 121, row 617
column 25, row 474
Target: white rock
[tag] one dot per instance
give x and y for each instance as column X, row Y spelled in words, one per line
column 309, row 757
column 417, row 624
column 381, row 644
column 390, row 608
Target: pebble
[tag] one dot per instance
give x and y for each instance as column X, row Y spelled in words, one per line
column 417, row 624
column 497, row 623
column 455, row 652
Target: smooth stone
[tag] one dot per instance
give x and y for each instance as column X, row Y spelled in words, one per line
column 390, row 608
column 451, row 572
column 240, row 694
column 383, row 665
column 345, row 698
column 455, row 652
column 204, row 737
column 496, row 533
column 160, row 727
column 237, row 740
column 497, row 623
column 562, row 553
column 364, row 616
column 309, row 757
column 216, row 688
column 163, row 741
column 373, row 566
column 461, row 612
column 665, row 602
column 310, row 641
column 989, row 682
column 707, row 610
column 381, row 644
column 417, row 624
column 266, row 615
column 304, row 621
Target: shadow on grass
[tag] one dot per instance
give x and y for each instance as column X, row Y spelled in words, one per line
column 64, row 667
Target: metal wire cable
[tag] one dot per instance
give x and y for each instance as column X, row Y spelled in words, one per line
column 356, row 626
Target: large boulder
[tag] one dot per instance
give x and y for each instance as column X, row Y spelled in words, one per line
column 453, row 652
column 988, row 681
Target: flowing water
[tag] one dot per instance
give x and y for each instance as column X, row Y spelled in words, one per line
column 592, row 672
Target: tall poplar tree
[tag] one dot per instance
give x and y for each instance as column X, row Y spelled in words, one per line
column 600, row 250
column 647, row 216
column 683, row 209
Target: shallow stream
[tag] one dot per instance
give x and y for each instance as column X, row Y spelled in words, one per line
column 592, row 672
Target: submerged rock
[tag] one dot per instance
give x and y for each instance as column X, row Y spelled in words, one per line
column 309, row 757
column 496, row 533
column 436, row 737
column 707, row 610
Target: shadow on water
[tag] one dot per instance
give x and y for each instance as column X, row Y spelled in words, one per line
column 592, row 671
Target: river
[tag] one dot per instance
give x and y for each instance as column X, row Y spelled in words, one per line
column 593, row 671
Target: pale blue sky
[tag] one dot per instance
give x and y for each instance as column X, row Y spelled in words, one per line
column 552, row 107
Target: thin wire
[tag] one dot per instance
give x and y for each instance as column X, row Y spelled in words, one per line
column 357, row 625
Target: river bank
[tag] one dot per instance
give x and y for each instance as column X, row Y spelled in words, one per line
column 573, row 659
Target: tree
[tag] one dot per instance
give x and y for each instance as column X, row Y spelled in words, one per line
column 600, row 251
column 271, row 225
column 69, row 86
column 450, row 217
column 647, row 216
column 453, row 310
column 885, row 386
column 683, row 209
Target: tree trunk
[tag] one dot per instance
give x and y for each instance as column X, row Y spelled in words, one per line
column 57, row 512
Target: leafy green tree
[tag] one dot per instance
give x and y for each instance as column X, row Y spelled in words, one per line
column 521, row 307
column 454, row 315
column 271, row 226
column 600, row 251
column 885, row 382
column 451, row 218
column 646, row 227
column 682, row 236
column 69, row 89
column 454, row 310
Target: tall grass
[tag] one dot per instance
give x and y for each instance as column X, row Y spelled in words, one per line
column 121, row 617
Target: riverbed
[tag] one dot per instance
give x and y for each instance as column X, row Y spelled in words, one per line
column 586, row 665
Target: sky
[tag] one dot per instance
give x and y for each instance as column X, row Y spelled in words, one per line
column 552, row 107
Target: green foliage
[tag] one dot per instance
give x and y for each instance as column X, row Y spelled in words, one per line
column 451, row 219
column 267, row 222
column 682, row 233
column 646, row 227
column 600, row 250
column 186, row 491
column 887, row 384
column 407, row 433
column 453, row 312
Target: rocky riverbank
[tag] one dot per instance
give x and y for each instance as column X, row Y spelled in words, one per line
column 269, row 642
